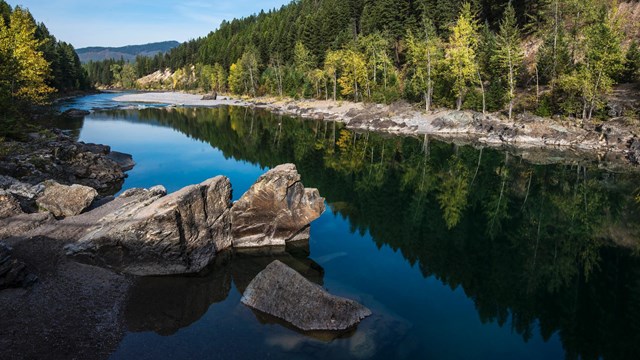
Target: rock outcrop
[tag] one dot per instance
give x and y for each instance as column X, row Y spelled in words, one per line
column 276, row 209
column 146, row 232
column 160, row 235
column 282, row 292
column 56, row 156
column 65, row 201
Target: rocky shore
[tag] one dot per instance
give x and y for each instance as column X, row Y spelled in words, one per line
column 535, row 138
column 70, row 264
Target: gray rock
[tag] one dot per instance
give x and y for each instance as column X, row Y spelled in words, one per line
column 176, row 234
column 277, row 209
column 124, row 160
column 20, row 189
column 282, row 292
column 64, row 201
column 22, row 223
column 9, row 206
column 76, row 113
column 13, row 273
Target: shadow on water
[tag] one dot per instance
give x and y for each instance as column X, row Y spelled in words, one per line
column 548, row 247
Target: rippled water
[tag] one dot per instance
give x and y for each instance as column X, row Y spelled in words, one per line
column 460, row 253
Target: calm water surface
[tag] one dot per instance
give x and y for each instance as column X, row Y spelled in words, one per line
column 460, row 253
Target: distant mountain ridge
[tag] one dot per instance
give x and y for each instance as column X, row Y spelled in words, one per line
column 96, row 53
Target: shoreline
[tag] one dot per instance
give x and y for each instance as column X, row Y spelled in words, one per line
column 613, row 141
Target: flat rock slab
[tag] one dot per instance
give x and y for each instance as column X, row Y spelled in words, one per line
column 282, row 292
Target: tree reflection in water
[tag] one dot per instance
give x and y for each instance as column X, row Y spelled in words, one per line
column 549, row 243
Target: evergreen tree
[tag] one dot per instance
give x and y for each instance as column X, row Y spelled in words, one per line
column 509, row 53
column 631, row 71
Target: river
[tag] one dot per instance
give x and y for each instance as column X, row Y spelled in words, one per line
column 461, row 253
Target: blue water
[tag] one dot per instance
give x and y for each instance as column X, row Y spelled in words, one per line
column 434, row 290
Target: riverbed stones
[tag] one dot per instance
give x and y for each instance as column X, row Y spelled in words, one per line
column 276, row 209
column 282, row 292
column 64, row 201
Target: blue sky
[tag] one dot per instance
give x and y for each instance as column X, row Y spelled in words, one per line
column 128, row 22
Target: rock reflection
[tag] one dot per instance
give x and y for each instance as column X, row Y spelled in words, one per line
column 166, row 304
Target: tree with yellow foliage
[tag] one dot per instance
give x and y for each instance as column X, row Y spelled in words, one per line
column 24, row 70
column 460, row 53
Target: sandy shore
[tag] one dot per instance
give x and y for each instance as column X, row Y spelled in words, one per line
column 178, row 99
column 613, row 141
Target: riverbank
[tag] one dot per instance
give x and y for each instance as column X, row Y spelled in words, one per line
column 535, row 138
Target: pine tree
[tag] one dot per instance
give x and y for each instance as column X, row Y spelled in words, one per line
column 631, row 71
column 592, row 79
column 509, row 53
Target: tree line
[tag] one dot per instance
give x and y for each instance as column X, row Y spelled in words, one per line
column 451, row 54
column 34, row 65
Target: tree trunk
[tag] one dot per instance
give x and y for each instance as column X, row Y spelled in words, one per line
column 429, row 85
column 537, row 86
column 595, row 93
column 484, row 101
column 511, row 84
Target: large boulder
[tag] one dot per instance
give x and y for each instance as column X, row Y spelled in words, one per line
column 277, row 209
column 64, row 201
column 175, row 234
column 282, row 292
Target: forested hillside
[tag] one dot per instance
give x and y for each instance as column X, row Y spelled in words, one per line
column 128, row 53
column 546, row 56
column 33, row 65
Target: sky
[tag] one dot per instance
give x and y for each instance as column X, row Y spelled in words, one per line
column 86, row 23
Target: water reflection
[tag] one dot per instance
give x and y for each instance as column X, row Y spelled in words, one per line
column 552, row 245
column 167, row 304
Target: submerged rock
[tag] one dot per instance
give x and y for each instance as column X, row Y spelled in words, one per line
column 277, row 209
column 76, row 113
column 282, row 292
column 65, row 201
column 174, row 234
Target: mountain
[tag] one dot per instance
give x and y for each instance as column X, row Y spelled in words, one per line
column 127, row 52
